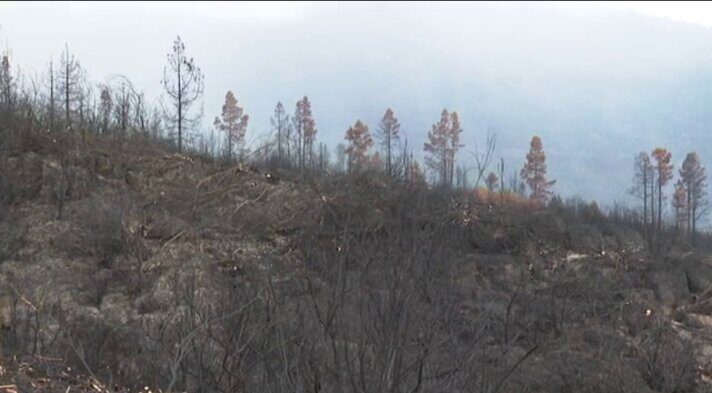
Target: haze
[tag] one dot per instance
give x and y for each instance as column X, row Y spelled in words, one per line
column 598, row 83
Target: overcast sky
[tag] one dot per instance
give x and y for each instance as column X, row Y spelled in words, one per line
column 239, row 39
column 579, row 74
column 238, row 42
column 695, row 12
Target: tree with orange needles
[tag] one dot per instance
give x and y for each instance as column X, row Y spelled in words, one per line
column 375, row 163
column 663, row 168
column 679, row 204
column 360, row 141
column 453, row 143
column 233, row 123
column 388, row 136
column 443, row 144
column 534, row 172
column 305, row 127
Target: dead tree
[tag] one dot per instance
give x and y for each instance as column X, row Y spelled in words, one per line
column 483, row 158
column 70, row 82
column 183, row 84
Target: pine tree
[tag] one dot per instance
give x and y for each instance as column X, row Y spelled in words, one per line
column 183, row 83
column 341, row 157
column 233, row 122
column 453, row 143
column 681, row 207
column 280, row 125
column 442, row 145
column 359, row 142
column 534, row 172
column 437, row 147
column 324, row 158
column 305, row 127
column 388, row 135
column 84, row 105
column 375, row 163
column 105, row 107
column 663, row 169
column 694, row 181
column 7, row 83
column 653, row 197
column 70, row 79
column 52, row 96
column 155, row 124
column 642, row 180
column 405, row 161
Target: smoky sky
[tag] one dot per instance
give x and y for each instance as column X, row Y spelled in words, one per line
column 598, row 85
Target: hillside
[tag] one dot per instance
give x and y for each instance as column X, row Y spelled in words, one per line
column 136, row 266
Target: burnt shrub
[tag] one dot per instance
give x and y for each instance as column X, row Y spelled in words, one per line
column 99, row 233
column 667, row 360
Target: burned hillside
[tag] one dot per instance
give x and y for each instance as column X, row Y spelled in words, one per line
column 140, row 266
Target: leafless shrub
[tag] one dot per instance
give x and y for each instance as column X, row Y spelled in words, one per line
column 668, row 363
column 100, row 232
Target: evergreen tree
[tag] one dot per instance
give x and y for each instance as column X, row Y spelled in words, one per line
column 359, row 142
column 642, row 180
column 663, row 169
column 305, row 127
column 694, row 182
column 388, row 135
column 442, row 145
column 233, row 122
column 534, row 172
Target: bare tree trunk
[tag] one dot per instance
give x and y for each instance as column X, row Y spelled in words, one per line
column 501, row 181
column 229, row 147
column 653, row 224
column 300, row 147
column 279, row 142
column 660, row 207
column 690, row 214
column 645, row 205
column 693, row 229
column 51, row 97
column 388, row 154
column 180, row 111
column 66, row 93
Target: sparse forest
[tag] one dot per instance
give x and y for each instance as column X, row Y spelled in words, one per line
column 138, row 249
